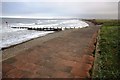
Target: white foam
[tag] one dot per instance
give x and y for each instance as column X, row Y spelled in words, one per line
column 12, row 36
column 20, row 36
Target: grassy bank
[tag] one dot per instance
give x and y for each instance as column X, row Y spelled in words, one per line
column 108, row 61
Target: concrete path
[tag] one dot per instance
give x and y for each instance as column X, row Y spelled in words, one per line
column 66, row 56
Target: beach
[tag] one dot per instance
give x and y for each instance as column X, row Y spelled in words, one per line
column 69, row 39
column 64, row 54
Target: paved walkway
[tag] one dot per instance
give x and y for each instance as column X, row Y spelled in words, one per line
column 66, row 56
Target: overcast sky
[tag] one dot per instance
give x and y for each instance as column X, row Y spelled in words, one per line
column 73, row 9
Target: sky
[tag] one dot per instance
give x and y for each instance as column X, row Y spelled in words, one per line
column 103, row 9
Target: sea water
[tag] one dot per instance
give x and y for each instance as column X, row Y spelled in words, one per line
column 11, row 36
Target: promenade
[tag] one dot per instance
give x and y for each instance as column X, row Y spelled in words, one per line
column 64, row 54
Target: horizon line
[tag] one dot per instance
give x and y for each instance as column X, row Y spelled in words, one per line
column 51, row 17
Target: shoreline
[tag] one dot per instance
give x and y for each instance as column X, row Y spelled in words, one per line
column 13, row 50
column 66, row 54
column 4, row 48
column 8, row 45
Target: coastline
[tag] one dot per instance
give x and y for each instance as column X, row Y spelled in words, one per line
column 16, row 49
column 65, row 54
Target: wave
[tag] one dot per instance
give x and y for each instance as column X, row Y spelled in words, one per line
column 10, row 36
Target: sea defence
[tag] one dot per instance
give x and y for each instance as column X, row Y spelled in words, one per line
column 66, row 54
column 40, row 29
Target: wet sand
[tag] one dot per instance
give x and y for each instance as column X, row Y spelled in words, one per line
column 65, row 54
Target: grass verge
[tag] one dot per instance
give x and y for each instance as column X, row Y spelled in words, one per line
column 108, row 59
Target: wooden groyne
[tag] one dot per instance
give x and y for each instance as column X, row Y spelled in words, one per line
column 40, row 29
column 45, row 28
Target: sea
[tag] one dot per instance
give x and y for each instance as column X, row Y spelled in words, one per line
column 11, row 36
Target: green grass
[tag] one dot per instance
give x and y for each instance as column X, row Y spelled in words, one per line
column 109, row 22
column 109, row 56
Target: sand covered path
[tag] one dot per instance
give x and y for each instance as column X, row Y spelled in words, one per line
column 66, row 54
